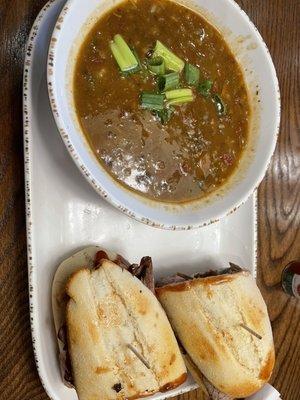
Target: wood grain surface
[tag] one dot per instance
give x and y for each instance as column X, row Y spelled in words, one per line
column 279, row 200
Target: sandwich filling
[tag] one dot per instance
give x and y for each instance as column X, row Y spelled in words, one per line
column 179, row 277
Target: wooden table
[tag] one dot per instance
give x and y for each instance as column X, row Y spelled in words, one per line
column 279, row 200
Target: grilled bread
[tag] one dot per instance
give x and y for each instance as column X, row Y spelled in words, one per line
column 209, row 316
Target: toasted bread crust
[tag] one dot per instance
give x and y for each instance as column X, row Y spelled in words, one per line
column 267, row 368
column 206, row 314
column 172, row 385
column 210, row 280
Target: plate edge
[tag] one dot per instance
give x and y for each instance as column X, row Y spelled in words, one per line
column 27, row 143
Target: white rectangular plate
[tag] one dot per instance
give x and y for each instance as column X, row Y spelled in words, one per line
column 64, row 214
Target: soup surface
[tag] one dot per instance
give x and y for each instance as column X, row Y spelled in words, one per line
column 198, row 148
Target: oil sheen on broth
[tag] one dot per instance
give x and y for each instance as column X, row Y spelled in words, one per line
column 197, row 150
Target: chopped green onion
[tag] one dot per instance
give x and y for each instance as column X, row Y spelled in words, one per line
column 204, row 88
column 156, row 65
column 169, row 81
column 172, row 62
column 137, row 58
column 125, row 49
column 165, row 114
column 174, row 94
column 180, row 100
column 119, row 57
column 179, row 96
column 123, row 55
column 152, row 101
column 220, row 106
column 192, row 74
column 138, row 68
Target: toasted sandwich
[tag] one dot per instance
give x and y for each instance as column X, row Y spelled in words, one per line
column 222, row 324
column 115, row 337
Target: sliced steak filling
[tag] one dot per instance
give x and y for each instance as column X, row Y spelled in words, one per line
column 179, row 277
column 144, row 272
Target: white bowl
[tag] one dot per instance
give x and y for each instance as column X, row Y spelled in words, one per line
column 74, row 23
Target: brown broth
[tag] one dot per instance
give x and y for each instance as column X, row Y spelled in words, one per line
column 197, row 150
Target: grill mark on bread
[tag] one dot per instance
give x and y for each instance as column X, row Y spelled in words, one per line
column 108, row 319
column 267, row 369
column 172, row 359
column 204, row 349
column 93, row 327
column 171, row 385
column 208, row 292
column 143, row 306
column 243, row 390
column 100, row 312
column 256, row 317
column 187, row 285
column 101, row 370
column 93, row 332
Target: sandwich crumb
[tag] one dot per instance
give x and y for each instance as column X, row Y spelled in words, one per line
column 117, row 387
column 173, row 358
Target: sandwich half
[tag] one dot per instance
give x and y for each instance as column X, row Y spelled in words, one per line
column 119, row 341
column 222, row 323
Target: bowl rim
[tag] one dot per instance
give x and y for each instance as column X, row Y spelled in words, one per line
column 96, row 184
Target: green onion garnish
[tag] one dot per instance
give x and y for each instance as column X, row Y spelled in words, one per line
column 192, row 74
column 118, row 57
column 140, row 65
column 168, row 81
column 125, row 49
column 174, row 94
column 179, row 96
column 220, row 106
column 156, row 65
column 123, row 54
column 204, row 88
column 138, row 68
column 152, row 101
column 180, row 100
column 172, row 62
column 165, row 114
